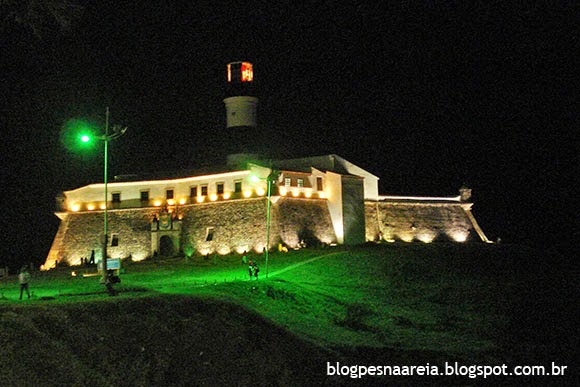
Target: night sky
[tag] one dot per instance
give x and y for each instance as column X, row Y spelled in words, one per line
column 427, row 97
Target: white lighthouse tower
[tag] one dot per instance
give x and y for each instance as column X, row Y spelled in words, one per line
column 241, row 106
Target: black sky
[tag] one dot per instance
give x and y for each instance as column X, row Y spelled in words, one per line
column 427, row 97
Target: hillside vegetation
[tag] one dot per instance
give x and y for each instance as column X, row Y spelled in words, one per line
column 202, row 322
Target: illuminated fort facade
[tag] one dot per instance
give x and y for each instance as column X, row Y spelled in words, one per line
column 224, row 209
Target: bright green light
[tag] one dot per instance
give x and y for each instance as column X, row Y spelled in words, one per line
column 79, row 135
column 254, row 178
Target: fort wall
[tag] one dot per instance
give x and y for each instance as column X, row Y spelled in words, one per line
column 205, row 228
column 422, row 222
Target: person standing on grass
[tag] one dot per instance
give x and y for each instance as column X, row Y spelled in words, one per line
column 251, row 269
column 24, row 279
column 256, row 270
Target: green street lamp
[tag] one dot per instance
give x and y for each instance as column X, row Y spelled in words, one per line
column 273, row 175
column 112, row 134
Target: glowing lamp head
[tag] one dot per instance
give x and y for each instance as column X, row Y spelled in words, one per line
column 240, row 72
column 79, row 135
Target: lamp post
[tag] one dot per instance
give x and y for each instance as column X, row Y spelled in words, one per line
column 117, row 132
column 272, row 175
column 269, row 205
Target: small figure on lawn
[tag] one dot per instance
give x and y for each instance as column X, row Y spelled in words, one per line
column 111, row 279
column 24, row 279
column 256, row 270
column 251, row 268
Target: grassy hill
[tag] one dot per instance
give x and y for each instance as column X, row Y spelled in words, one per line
column 201, row 322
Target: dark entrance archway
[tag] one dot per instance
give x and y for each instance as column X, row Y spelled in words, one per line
column 166, row 248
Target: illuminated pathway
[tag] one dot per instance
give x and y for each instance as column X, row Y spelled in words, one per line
column 294, row 266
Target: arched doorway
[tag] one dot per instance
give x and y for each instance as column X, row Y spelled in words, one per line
column 166, row 248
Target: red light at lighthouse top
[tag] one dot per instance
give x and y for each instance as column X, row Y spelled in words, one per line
column 240, row 72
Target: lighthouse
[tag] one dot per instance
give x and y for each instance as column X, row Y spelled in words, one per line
column 241, row 104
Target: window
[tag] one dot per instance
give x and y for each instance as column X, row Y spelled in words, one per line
column 209, row 234
column 238, row 186
column 193, row 191
column 204, row 190
column 116, row 197
column 169, row 194
column 287, row 181
column 144, row 196
column 220, row 188
column 319, row 186
column 115, row 240
column 300, row 182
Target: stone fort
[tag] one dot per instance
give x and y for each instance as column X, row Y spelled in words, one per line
column 249, row 204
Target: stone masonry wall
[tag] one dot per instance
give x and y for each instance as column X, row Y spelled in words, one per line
column 424, row 222
column 237, row 226
column 304, row 219
column 206, row 228
column 85, row 230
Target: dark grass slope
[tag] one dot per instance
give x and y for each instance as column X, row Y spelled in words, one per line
column 372, row 305
column 160, row 341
